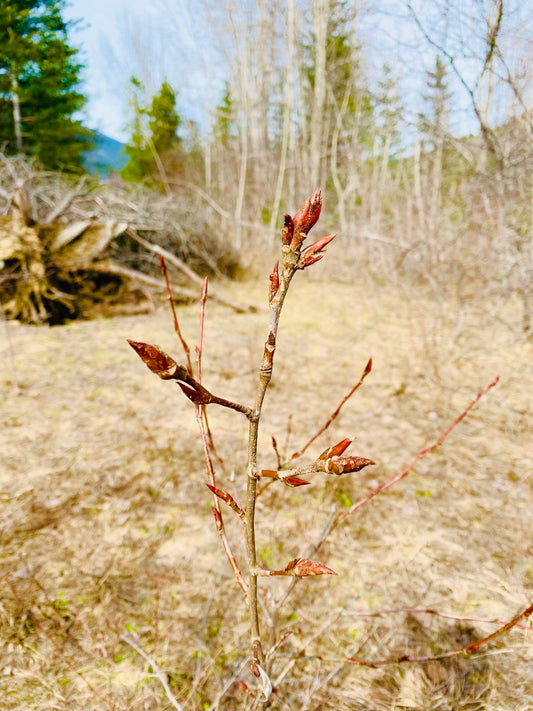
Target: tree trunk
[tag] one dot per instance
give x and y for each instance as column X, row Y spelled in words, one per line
column 17, row 121
column 320, row 24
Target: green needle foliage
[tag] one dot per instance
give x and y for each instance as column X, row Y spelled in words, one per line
column 154, row 146
column 38, row 79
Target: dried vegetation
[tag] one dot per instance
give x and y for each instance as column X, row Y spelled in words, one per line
column 108, row 540
column 71, row 249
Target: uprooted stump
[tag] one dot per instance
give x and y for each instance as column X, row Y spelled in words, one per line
column 54, row 270
column 50, row 272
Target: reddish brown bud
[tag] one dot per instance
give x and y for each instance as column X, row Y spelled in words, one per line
column 254, row 669
column 288, row 480
column 227, row 498
column 336, row 450
column 368, row 368
column 274, row 282
column 346, row 465
column 196, row 396
column 294, row 481
column 287, row 230
column 301, row 567
column 314, row 252
column 319, row 245
column 307, row 261
column 218, row 520
column 307, row 216
column 156, row 359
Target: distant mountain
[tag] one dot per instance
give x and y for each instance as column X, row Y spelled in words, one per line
column 107, row 155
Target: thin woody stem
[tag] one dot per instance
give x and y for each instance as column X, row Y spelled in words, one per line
column 420, row 455
column 335, row 413
column 468, row 649
column 265, row 376
column 201, row 418
column 177, row 329
column 216, row 505
column 202, row 425
column 336, row 517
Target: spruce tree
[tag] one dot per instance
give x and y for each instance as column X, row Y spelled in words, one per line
column 38, row 79
column 154, row 141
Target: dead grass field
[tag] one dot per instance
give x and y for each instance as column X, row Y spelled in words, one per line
column 106, row 525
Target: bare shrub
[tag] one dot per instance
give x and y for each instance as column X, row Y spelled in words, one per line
column 268, row 669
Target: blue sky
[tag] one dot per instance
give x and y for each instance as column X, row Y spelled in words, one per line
column 183, row 42
column 98, row 30
column 121, row 38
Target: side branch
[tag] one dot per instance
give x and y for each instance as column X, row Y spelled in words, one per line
column 335, row 413
column 468, row 649
column 167, row 369
column 420, row 455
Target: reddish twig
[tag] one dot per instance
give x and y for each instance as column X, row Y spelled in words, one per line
column 420, row 455
column 201, row 419
column 216, row 506
column 165, row 367
column 436, row 613
column 335, row 413
column 467, row 650
column 177, row 329
column 199, row 347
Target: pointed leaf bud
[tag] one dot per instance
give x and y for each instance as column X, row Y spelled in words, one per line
column 346, row 465
column 156, row 359
column 288, row 480
column 319, row 245
column 301, row 567
column 287, row 231
column 274, row 282
column 197, row 396
column 307, row 261
column 218, row 520
column 314, row 252
column 294, row 481
column 242, row 686
column 336, row 450
column 228, row 498
column 307, row 216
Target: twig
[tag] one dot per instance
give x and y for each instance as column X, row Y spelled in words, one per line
column 436, row 613
column 157, row 671
column 177, row 329
column 166, row 368
column 420, row 455
column 201, row 419
column 467, row 650
column 63, row 205
column 199, row 347
column 335, row 413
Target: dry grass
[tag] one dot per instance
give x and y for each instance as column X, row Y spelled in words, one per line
column 106, row 524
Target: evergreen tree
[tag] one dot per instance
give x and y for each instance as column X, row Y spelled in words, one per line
column 434, row 122
column 225, row 127
column 154, row 142
column 164, row 120
column 389, row 112
column 139, row 154
column 38, row 79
